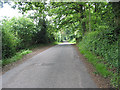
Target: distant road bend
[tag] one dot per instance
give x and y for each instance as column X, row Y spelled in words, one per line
column 57, row 67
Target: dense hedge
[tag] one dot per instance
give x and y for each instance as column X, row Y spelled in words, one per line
column 101, row 49
column 20, row 33
column 99, row 43
column 9, row 40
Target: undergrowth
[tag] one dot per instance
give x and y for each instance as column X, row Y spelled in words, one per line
column 93, row 46
column 20, row 54
column 16, row 57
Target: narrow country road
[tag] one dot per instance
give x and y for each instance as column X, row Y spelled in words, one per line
column 56, row 67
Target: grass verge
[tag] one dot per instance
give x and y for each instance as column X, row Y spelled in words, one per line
column 20, row 54
column 15, row 58
column 101, row 68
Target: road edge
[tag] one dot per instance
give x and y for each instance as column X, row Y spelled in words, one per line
column 26, row 57
column 100, row 81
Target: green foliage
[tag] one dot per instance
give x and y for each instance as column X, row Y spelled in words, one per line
column 95, row 44
column 25, row 29
column 73, row 41
column 16, row 33
column 115, row 80
column 43, row 29
column 20, row 33
column 100, row 67
column 100, row 45
column 16, row 57
column 9, row 41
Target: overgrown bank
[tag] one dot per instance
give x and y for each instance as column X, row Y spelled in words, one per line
column 21, row 34
column 102, row 53
column 19, row 55
column 33, row 50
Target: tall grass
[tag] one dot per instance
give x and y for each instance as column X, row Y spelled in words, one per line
column 16, row 57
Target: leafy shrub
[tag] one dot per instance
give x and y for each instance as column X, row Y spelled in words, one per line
column 9, row 41
column 115, row 80
column 21, row 33
column 17, row 34
column 25, row 29
column 98, row 43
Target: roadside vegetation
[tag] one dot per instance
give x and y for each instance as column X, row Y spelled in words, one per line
column 104, row 59
column 16, row 57
column 19, row 34
column 93, row 26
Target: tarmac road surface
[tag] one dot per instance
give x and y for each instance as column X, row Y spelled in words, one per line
column 57, row 67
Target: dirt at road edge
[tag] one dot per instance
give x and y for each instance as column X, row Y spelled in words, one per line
column 35, row 51
column 100, row 81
